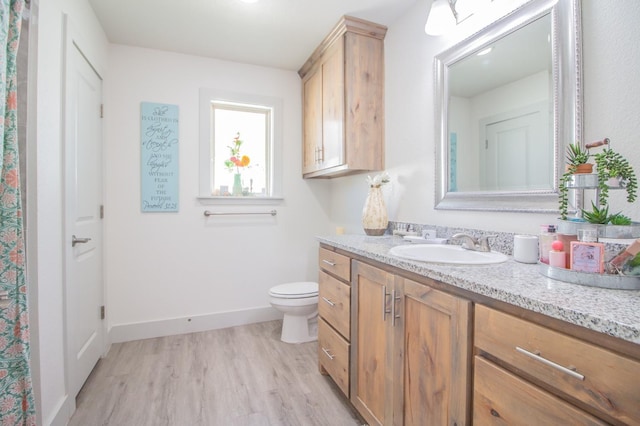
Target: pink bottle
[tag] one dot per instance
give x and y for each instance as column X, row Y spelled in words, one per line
column 557, row 256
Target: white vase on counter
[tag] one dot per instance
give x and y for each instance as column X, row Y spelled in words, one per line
column 374, row 213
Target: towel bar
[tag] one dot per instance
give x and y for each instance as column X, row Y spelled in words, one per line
column 208, row 213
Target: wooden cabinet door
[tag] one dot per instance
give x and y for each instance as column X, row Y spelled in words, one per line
column 370, row 358
column 432, row 362
column 312, row 121
column 332, row 151
column 502, row 398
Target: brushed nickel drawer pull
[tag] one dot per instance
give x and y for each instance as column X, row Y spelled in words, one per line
column 384, row 303
column 550, row 363
column 326, row 352
column 328, row 262
column 328, row 301
column 394, row 315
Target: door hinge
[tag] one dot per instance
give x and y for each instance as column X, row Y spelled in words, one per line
column 102, row 211
column 102, row 312
column 101, row 110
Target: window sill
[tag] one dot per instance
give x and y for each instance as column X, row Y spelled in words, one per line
column 239, row 201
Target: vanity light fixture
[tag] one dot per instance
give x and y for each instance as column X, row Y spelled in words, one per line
column 444, row 15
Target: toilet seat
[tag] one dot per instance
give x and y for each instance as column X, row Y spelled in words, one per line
column 298, row 290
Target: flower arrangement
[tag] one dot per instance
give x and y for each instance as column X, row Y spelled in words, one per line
column 236, row 160
column 378, row 180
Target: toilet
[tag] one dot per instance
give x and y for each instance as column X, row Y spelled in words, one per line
column 299, row 303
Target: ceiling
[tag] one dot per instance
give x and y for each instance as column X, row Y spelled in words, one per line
column 274, row 33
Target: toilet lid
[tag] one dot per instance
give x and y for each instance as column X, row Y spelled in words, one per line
column 295, row 290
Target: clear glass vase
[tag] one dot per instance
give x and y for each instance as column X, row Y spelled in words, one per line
column 374, row 213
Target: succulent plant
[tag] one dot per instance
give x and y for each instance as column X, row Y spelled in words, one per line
column 619, row 219
column 611, row 164
column 576, row 154
column 598, row 214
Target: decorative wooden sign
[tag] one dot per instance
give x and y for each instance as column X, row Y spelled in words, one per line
column 159, row 157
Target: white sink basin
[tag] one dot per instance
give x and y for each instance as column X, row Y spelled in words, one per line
column 452, row 254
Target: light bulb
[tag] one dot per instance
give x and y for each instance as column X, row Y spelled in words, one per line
column 440, row 18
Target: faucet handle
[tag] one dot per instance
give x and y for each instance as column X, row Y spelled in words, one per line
column 483, row 242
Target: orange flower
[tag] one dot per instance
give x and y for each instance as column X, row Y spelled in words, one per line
column 235, row 159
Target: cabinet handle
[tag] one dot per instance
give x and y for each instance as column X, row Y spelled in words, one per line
column 328, row 301
column 550, row 363
column 326, row 352
column 328, row 262
column 384, row 303
column 321, row 151
column 394, row 300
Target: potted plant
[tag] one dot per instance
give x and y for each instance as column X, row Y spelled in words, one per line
column 577, row 159
column 615, row 225
column 614, row 171
column 577, row 163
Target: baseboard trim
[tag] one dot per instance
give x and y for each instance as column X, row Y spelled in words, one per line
column 61, row 414
column 169, row 327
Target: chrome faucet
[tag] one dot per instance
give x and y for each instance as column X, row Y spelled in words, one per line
column 470, row 243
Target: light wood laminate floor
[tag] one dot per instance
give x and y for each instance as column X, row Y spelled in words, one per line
column 236, row 376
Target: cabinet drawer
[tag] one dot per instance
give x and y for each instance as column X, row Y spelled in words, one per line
column 333, row 354
column 335, row 264
column 500, row 398
column 581, row 371
column 334, row 303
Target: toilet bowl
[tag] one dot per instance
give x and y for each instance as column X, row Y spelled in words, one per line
column 299, row 303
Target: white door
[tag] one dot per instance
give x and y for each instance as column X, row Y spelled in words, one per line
column 516, row 153
column 83, row 200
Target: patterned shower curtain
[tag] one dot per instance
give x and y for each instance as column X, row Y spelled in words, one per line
column 16, row 396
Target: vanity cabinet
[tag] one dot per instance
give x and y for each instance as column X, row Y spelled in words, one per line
column 422, row 352
column 411, row 352
column 334, row 312
column 524, row 371
column 343, row 101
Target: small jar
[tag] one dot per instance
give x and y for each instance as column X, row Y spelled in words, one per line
column 545, row 239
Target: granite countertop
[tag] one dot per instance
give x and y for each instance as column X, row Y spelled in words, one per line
column 612, row 312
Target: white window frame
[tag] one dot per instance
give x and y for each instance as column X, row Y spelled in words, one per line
column 209, row 96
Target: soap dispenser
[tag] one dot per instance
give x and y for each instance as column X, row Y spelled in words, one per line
column 557, row 256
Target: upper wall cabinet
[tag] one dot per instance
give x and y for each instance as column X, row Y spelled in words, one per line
column 343, row 101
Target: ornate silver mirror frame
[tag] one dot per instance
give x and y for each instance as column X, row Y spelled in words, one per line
column 566, row 49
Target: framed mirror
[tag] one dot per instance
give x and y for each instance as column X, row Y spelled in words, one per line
column 508, row 101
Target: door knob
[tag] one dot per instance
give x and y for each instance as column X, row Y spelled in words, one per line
column 75, row 240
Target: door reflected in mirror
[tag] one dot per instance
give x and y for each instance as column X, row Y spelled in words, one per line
column 500, row 131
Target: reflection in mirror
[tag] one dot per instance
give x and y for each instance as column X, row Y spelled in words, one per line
column 499, row 105
column 508, row 100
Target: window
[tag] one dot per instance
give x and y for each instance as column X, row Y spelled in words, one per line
column 239, row 141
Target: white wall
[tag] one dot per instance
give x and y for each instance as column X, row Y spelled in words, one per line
column 46, row 236
column 180, row 272
column 611, row 96
column 164, row 266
